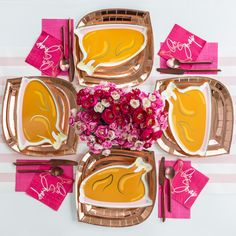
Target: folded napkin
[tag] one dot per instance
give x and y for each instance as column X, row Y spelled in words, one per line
column 46, row 54
column 24, row 180
column 53, row 27
column 178, row 210
column 181, row 44
column 187, row 184
column 208, row 53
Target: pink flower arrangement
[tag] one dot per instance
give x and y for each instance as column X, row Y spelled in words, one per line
column 109, row 116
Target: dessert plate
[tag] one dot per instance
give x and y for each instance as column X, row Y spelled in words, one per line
column 42, row 129
column 129, row 70
column 113, row 213
column 216, row 126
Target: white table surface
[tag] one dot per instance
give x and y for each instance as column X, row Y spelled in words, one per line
column 214, row 211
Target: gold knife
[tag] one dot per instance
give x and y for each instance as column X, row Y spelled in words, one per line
column 162, row 184
column 179, row 71
column 70, row 51
column 52, row 162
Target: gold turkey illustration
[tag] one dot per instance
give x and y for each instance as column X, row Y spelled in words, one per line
column 117, row 186
column 37, row 116
column 109, row 45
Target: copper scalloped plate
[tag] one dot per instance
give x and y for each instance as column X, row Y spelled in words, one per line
column 132, row 72
column 65, row 96
column 114, row 217
column 222, row 117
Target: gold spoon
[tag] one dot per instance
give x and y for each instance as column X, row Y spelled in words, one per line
column 55, row 171
column 64, row 63
column 169, row 174
column 175, row 63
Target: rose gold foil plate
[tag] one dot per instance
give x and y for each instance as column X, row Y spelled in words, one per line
column 65, row 96
column 222, row 117
column 132, row 72
column 114, row 217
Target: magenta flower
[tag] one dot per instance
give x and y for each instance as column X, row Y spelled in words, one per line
column 102, row 132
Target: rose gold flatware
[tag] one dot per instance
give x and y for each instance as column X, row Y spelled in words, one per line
column 55, row 171
column 162, row 184
column 64, row 63
column 52, row 162
column 169, row 174
column 175, row 63
column 70, row 50
column 178, row 71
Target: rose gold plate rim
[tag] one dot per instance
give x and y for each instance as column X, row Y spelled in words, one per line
column 65, row 96
column 113, row 217
column 124, row 74
column 222, row 117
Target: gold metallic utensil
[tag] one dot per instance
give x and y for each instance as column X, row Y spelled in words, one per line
column 52, row 162
column 175, row 63
column 55, row 171
column 64, row 63
column 162, row 184
column 179, row 71
column 169, row 174
column 70, row 50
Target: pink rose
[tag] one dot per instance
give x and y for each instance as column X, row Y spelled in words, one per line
column 102, row 132
column 107, row 144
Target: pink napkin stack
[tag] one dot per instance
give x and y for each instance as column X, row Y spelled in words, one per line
column 48, row 189
column 53, row 27
column 186, row 46
column 186, row 187
column 48, row 49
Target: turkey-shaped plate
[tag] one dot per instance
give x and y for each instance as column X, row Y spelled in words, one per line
column 114, row 45
column 36, row 116
column 200, row 117
column 118, row 190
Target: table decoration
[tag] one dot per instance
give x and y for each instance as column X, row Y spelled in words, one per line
column 187, row 184
column 46, row 54
column 50, row 190
column 53, row 27
column 107, row 216
column 23, row 180
column 221, row 125
column 64, row 96
column 178, row 210
column 117, row 186
column 208, row 53
column 130, row 72
column 181, row 44
column 109, row 116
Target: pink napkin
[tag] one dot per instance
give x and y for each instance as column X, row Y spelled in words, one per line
column 178, row 210
column 208, row 53
column 50, row 190
column 187, row 184
column 181, row 44
column 23, row 180
column 46, row 54
column 53, row 27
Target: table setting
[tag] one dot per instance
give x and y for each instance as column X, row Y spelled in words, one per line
column 86, row 125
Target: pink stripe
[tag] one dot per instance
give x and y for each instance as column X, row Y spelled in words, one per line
column 11, row 157
column 222, row 178
column 7, row 177
column 12, row 61
column 213, row 178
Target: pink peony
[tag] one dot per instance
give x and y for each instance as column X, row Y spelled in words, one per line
column 108, row 116
column 102, row 132
column 146, row 134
